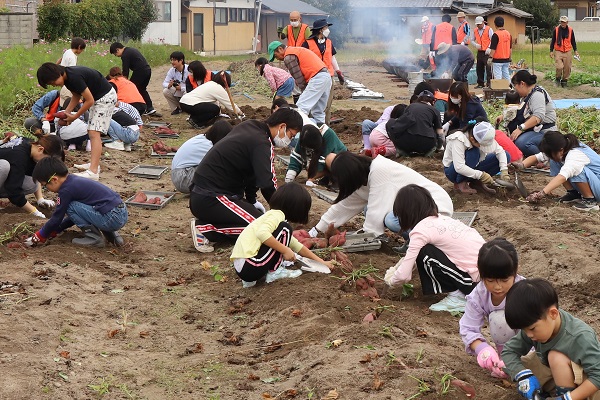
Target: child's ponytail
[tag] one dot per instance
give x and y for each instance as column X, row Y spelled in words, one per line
column 52, row 144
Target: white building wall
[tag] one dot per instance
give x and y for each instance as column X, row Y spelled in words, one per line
column 165, row 32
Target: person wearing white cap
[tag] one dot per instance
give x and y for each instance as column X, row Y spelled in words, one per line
column 426, row 28
column 473, row 156
column 563, row 41
column 456, row 58
column 463, row 32
column 482, row 36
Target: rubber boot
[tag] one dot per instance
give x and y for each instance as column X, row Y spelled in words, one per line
column 557, row 82
column 92, row 237
column 114, row 238
column 563, row 83
column 296, row 97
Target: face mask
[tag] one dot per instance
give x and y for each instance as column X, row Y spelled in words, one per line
column 282, row 141
column 295, row 24
column 455, row 100
column 326, row 32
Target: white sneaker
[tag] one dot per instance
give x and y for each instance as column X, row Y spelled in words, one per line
column 88, row 174
column 248, row 284
column 451, row 303
column 83, row 167
column 72, row 147
column 115, row 145
column 88, row 146
column 201, row 243
column 127, row 146
column 282, row 272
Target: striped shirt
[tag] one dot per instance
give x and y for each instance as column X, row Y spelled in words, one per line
column 131, row 111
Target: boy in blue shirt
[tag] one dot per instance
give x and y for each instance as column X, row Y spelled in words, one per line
column 97, row 210
column 566, row 353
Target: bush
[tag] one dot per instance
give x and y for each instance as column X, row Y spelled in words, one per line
column 137, row 14
column 53, row 20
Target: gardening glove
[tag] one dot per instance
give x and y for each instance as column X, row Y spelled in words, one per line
column 45, row 203
column 340, row 77
column 46, row 126
column 446, row 128
column 566, row 396
column 290, row 176
column 517, row 166
column 34, row 240
column 313, row 232
column 477, row 45
column 310, row 183
column 504, row 175
column 487, row 357
column 488, row 51
column 37, row 213
column 389, row 274
column 259, row 207
column 432, row 54
column 527, row 384
column 486, row 178
column 536, row 197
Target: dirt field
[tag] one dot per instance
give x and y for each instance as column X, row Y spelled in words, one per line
column 149, row 321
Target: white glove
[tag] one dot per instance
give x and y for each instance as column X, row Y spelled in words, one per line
column 463, row 43
column 37, row 213
column 446, row 128
column 432, row 54
column 242, row 115
column 389, row 274
column 46, row 126
column 259, row 207
column 310, row 183
column 290, row 176
column 46, row 203
column 488, row 51
column 313, row 232
column 477, row 45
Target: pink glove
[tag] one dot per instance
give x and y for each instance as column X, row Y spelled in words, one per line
column 488, row 358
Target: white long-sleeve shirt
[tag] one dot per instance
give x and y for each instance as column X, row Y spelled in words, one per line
column 456, row 145
column 173, row 74
column 574, row 163
column 386, row 177
column 209, row 92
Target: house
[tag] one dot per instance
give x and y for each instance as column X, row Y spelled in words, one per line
column 276, row 13
column 576, row 10
column 515, row 21
column 167, row 28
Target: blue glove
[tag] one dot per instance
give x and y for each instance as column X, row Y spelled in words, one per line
column 527, row 384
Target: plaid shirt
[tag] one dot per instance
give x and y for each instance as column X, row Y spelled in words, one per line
column 292, row 64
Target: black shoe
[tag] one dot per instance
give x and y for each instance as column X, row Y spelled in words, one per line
column 193, row 124
column 114, row 238
column 176, row 111
column 92, row 237
column 563, row 83
column 570, row 197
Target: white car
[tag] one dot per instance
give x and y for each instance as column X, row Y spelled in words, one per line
column 587, row 19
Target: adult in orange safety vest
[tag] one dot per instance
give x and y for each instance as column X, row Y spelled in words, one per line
column 463, row 33
column 482, row 39
column 443, row 32
column 501, row 49
column 563, row 41
column 296, row 32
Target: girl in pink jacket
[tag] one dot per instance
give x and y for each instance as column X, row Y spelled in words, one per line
column 280, row 81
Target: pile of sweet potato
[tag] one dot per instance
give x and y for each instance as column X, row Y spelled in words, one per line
column 333, row 238
column 140, row 197
column 165, row 130
column 161, row 148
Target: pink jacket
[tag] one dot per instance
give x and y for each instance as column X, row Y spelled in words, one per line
column 275, row 76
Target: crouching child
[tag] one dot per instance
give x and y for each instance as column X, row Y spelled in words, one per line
column 565, row 359
column 97, row 210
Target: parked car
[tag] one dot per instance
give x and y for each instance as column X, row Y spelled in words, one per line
column 591, row 19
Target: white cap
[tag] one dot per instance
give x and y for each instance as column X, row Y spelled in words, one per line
column 564, row 18
column 425, row 19
column 479, row 20
column 485, row 135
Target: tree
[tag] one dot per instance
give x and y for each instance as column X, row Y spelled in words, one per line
column 339, row 15
column 137, row 15
column 545, row 15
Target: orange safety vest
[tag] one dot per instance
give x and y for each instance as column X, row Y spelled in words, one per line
column 53, row 108
column 296, row 42
column 207, row 77
column 484, row 40
column 565, row 45
column 439, row 95
column 443, row 33
column 326, row 56
column 310, row 64
column 460, row 33
column 127, row 92
column 504, row 44
column 426, row 34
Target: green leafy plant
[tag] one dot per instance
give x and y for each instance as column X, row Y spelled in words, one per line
column 386, row 331
column 445, row 386
column 15, row 233
column 422, row 388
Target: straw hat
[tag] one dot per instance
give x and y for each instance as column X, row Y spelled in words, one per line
column 442, row 48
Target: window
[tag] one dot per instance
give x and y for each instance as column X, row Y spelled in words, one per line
column 164, row 11
column 569, row 12
column 221, row 16
column 251, row 15
column 183, row 24
column 243, row 14
column 233, row 14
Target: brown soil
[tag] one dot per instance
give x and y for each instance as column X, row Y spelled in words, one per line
column 149, row 320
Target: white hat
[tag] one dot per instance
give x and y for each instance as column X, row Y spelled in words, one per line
column 425, row 19
column 442, row 48
column 460, row 14
column 564, row 18
column 479, row 20
column 485, row 135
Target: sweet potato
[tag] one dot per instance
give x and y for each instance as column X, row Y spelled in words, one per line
column 337, row 240
column 173, row 149
column 307, row 242
column 300, row 234
column 320, row 243
column 154, row 200
column 140, row 197
column 466, row 387
column 331, row 231
column 342, row 258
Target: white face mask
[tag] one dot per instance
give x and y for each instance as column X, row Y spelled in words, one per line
column 326, row 32
column 455, row 100
column 295, row 24
column 282, row 141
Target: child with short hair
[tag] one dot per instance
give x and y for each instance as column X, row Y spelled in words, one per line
column 566, row 352
column 444, row 250
column 497, row 264
column 69, row 57
column 267, row 242
column 97, row 210
column 127, row 91
column 280, row 81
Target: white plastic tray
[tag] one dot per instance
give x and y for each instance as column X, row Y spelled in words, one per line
column 165, row 197
column 148, row 171
column 466, row 217
column 361, row 241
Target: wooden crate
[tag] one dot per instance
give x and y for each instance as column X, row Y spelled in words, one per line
column 491, row 94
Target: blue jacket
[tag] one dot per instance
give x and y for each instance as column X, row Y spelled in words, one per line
column 474, row 110
column 44, row 102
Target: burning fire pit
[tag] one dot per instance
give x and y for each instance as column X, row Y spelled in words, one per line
column 401, row 66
